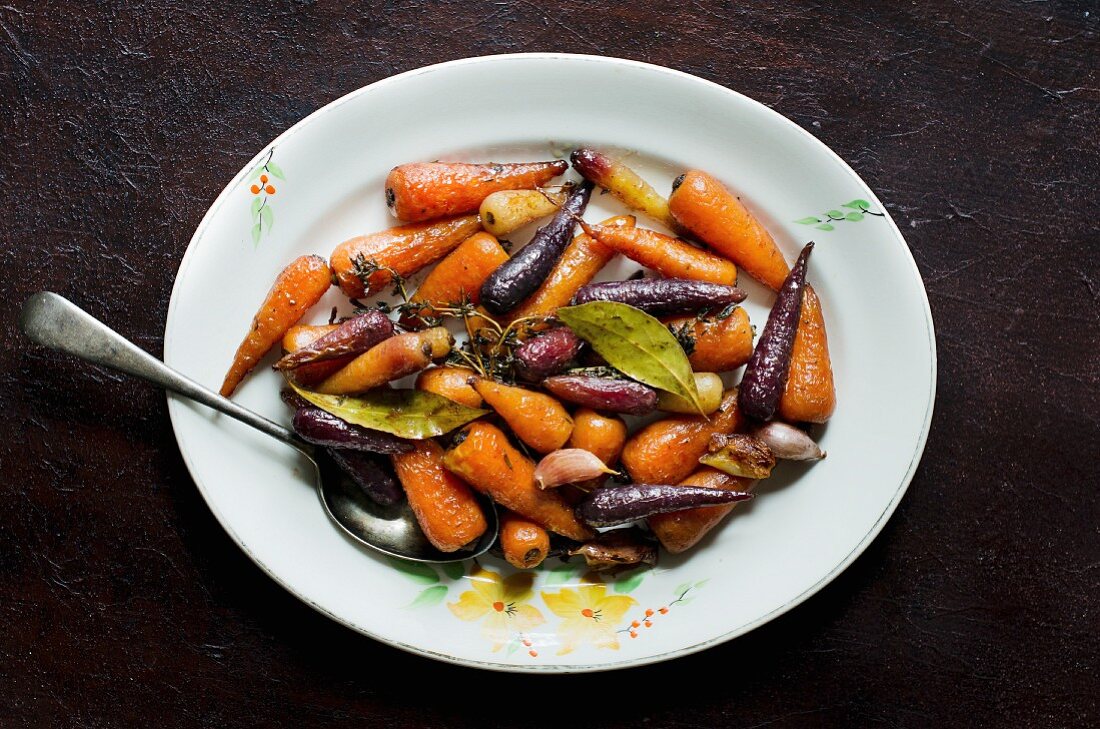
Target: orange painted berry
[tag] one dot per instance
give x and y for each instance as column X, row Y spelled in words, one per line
column 533, row 654
column 635, row 624
column 633, row 634
column 255, row 189
column 648, row 624
column 263, row 179
column 270, row 189
column 663, row 610
column 648, row 613
column 527, row 642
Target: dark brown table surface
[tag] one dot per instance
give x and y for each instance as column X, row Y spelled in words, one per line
column 123, row 603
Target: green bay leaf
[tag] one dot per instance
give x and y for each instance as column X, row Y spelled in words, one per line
column 414, row 414
column 634, row 343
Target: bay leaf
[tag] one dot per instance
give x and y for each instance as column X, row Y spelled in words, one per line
column 414, row 414
column 636, row 344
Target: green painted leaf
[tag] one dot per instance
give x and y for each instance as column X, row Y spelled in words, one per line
column 825, row 226
column 808, row 221
column 834, row 213
column 700, row 583
column 429, row 596
column 454, row 570
column 513, row 646
column 267, row 218
column 854, row 217
column 682, row 588
column 857, row 204
column 415, row 571
column 415, row 414
column 636, row 344
column 561, row 574
column 687, row 600
column 256, row 231
column 256, row 203
column 276, row 170
column 630, row 581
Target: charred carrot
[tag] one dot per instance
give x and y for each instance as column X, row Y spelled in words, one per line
column 452, row 383
column 715, row 344
column 710, row 212
column 483, row 458
column 302, row 335
column 362, row 264
column 623, row 182
column 682, row 530
column 458, row 277
column 427, row 190
column 353, row 336
column 809, row 395
column 297, row 288
column 394, row 358
column 445, row 507
column 525, row 544
column 666, row 451
column 665, row 254
column 537, row 419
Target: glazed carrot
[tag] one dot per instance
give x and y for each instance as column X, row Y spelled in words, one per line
column 809, row 395
column 406, row 249
column 623, row 182
column 483, row 458
column 452, row 383
column 427, row 190
column 458, row 277
column 297, row 288
column 536, row 418
column 704, row 207
column 394, row 358
column 682, row 530
column 525, row 544
column 445, row 507
column 666, row 451
column 303, row 335
column 601, row 435
column 665, row 254
column 717, row 345
column 509, row 210
column 579, row 264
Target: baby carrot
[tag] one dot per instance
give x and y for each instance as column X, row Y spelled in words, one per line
column 452, row 383
column 623, row 182
column 681, row 530
column 665, row 254
column 601, row 435
column 458, row 277
column 301, row 336
column 296, row 289
column 717, row 345
column 809, row 395
column 445, row 507
column 536, row 418
column 394, row 358
column 525, row 544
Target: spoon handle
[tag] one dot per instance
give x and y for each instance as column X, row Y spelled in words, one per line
column 53, row 321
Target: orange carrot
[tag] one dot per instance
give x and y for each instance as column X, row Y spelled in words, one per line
column 705, row 208
column 392, row 359
column 601, row 435
column 810, row 395
column 452, row 383
column 297, row 288
column 666, row 451
column 310, row 374
column 444, row 506
column 682, row 530
column 578, row 265
column 718, row 345
column 483, row 458
column 458, row 277
column 427, row 190
column 405, row 249
column 668, row 256
column 525, row 544
column 536, row 418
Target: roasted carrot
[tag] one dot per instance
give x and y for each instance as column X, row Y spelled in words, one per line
column 427, row 190
column 405, row 249
column 483, row 458
column 458, row 277
column 717, row 345
column 623, row 182
column 452, row 383
column 666, row 451
column 682, row 530
column 303, row 335
column 579, row 264
column 525, row 544
column 445, row 507
column 297, row 288
column 665, row 254
column 704, row 207
column 394, row 358
column 508, row 210
column 536, row 418
column 601, row 435
column 809, row 395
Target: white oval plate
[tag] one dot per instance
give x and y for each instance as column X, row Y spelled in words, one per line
column 808, row 523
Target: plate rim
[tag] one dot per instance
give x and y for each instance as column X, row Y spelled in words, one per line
column 176, row 403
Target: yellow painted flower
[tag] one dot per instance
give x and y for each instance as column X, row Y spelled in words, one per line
column 501, row 603
column 588, row 613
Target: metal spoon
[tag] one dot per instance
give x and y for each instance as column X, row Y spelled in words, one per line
column 53, row 321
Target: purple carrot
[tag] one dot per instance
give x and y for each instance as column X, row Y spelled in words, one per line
column 603, row 393
column 613, row 505
column 371, row 473
column 766, row 373
column 547, row 354
column 354, row 336
column 322, row 428
column 662, row 296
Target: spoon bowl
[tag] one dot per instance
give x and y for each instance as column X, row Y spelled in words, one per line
column 53, row 321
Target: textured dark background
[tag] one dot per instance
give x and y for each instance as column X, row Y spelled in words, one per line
column 122, row 603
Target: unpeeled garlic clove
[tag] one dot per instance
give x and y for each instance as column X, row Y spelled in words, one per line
column 568, row 465
column 789, row 442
